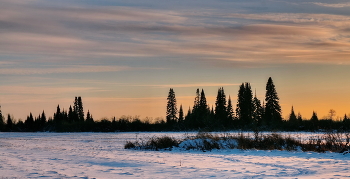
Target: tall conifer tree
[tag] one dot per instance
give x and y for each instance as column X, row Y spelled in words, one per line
column 181, row 114
column 78, row 108
column 230, row 112
column 292, row 116
column 171, row 113
column 257, row 111
column 244, row 108
column 220, row 107
column 272, row 106
column 9, row 122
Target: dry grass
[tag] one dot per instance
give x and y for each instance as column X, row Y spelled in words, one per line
column 333, row 142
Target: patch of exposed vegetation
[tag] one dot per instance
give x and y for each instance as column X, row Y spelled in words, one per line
column 203, row 141
column 154, row 143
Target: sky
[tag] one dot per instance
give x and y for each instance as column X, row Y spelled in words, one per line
column 122, row 57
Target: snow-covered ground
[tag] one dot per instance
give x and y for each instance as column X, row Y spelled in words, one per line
column 102, row 155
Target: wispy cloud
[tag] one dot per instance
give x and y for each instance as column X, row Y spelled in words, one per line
column 335, row 5
column 63, row 70
column 116, row 32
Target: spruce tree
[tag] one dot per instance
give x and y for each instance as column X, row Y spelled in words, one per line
column 293, row 117
column 29, row 123
column 57, row 117
column 78, row 108
column 299, row 118
column 204, row 112
column 89, row 118
column 171, row 112
column 248, row 97
column 240, row 103
column 196, row 101
column 244, row 108
column 181, row 114
column 230, row 112
column 257, row 111
column 9, row 123
column 272, row 106
column 314, row 117
column 220, row 107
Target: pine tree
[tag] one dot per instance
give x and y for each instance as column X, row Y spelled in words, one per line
column 78, row 108
column 204, row 112
column 257, row 111
column 240, row 103
column 43, row 117
column 171, row 113
column 293, row 117
column 244, row 108
column 29, row 123
column 314, row 120
column 203, row 106
column 181, row 114
column 220, row 107
column 196, row 101
column 248, row 97
column 230, row 112
column 72, row 116
column 272, row 107
column 89, row 118
column 57, row 117
column 9, row 123
column 299, row 118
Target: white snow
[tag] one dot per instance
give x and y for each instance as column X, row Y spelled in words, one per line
column 102, row 155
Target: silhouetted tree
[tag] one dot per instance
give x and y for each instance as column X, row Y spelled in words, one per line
column 181, row 114
column 299, row 118
column 78, row 108
column 257, row 111
column 72, row 115
column 204, row 111
column 244, row 108
column 314, row 119
column 292, row 117
column 272, row 106
column 221, row 108
column 171, row 112
column 29, row 123
column 9, row 123
column 89, row 117
column 57, row 117
column 331, row 113
column 230, row 113
column 200, row 116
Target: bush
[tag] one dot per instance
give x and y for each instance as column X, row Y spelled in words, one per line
column 206, row 142
column 154, row 143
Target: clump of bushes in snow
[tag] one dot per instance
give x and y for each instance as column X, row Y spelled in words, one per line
column 330, row 141
column 206, row 142
column 154, row 143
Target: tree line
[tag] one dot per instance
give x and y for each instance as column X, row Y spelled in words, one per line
column 248, row 114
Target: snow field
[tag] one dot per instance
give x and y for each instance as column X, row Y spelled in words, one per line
column 102, row 155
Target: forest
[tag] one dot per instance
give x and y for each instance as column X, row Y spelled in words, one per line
column 248, row 114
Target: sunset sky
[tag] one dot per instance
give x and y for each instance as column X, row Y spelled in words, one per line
column 123, row 56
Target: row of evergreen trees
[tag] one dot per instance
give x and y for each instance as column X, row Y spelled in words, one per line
column 73, row 120
column 249, row 113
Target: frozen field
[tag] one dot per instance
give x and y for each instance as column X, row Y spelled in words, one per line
column 101, row 155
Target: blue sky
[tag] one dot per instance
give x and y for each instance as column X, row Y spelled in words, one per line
column 123, row 56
